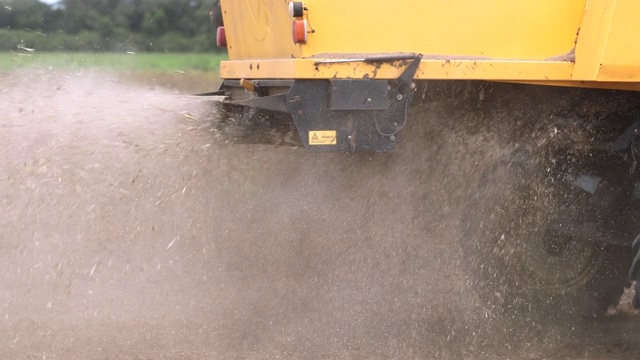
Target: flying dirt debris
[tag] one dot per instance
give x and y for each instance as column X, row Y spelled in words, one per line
column 132, row 230
column 544, row 176
column 463, row 186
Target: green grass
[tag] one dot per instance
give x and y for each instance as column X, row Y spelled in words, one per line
column 152, row 62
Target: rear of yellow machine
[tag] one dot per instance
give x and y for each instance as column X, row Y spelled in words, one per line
column 576, row 43
column 548, row 223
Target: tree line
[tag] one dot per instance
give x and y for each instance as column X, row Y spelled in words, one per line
column 107, row 25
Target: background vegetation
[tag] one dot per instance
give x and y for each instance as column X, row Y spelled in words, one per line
column 107, row 25
column 140, row 62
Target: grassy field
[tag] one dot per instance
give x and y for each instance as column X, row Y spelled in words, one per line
column 141, row 62
column 188, row 73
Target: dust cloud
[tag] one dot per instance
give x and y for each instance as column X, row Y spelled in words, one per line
column 131, row 229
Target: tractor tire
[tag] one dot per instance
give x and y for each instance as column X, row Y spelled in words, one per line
column 518, row 267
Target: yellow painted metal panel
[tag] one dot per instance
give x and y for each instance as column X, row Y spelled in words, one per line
column 258, row 29
column 429, row 69
column 621, row 61
column 502, row 40
column 594, row 32
column 505, row 29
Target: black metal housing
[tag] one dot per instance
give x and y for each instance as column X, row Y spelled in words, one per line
column 364, row 114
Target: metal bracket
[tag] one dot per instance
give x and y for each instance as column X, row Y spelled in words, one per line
column 402, row 89
column 360, row 94
column 213, row 93
column 364, row 114
column 272, row 103
column 370, row 59
column 353, row 114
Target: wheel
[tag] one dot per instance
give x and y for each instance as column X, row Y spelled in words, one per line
column 518, row 263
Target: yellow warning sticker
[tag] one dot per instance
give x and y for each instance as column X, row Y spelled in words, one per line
column 322, row 137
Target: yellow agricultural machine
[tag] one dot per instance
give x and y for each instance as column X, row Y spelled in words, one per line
column 553, row 203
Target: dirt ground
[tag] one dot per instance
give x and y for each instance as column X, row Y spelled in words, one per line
column 131, row 230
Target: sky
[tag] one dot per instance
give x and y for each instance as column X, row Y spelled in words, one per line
column 51, row 2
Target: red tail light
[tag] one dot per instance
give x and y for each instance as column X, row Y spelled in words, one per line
column 300, row 31
column 221, row 37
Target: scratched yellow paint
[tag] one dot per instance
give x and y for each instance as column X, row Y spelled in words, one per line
column 621, row 60
column 568, row 42
column 507, row 29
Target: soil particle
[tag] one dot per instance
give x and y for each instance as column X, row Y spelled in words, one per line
column 132, row 231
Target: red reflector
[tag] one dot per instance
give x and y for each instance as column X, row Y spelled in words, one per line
column 300, row 31
column 221, row 37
